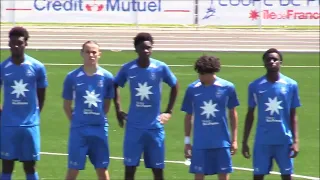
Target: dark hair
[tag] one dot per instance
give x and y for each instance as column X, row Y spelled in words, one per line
column 207, row 64
column 88, row 42
column 19, row 32
column 272, row 50
column 141, row 37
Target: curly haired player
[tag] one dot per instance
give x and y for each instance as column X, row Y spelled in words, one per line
column 206, row 100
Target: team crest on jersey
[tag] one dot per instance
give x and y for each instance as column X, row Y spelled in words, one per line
column 29, row 73
column 100, row 83
column 283, row 90
column 153, row 76
column 219, row 93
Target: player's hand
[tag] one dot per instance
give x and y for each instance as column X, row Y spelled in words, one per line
column 234, row 147
column 294, row 150
column 164, row 118
column 121, row 116
column 187, row 150
column 246, row 150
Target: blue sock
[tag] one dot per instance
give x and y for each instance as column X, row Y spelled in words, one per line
column 5, row 177
column 34, row 176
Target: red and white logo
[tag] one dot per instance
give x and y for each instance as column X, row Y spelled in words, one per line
column 287, row 14
column 94, row 6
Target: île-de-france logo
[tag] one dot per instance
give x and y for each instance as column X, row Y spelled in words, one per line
column 254, row 15
column 210, row 11
column 94, row 6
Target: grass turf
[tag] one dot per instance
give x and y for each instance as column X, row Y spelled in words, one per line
column 54, row 127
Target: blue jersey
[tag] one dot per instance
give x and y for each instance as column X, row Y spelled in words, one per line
column 145, row 89
column 208, row 104
column 274, row 101
column 20, row 84
column 89, row 94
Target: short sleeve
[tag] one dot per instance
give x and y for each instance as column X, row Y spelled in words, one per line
column 121, row 77
column 168, row 77
column 187, row 103
column 233, row 100
column 109, row 86
column 295, row 102
column 252, row 97
column 68, row 88
column 42, row 80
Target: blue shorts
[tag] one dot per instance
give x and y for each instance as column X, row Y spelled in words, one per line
column 149, row 142
column 20, row 143
column 264, row 154
column 211, row 161
column 91, row 141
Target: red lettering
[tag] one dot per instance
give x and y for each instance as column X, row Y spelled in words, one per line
column 290, row 14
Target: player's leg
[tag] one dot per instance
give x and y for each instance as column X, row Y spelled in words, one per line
column 198, row 166
column 77, row 150
column 285, row 163
column 98, row 151
column 262, row 161
column 132, row 150
column 31, row 151
column 154, row 152
column 222, row 163
column 10, row 143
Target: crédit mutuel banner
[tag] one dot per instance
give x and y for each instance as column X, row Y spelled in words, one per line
column 210, row 12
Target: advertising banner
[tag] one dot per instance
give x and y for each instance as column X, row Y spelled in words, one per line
column 101, row 11
column 210, row 12
column 259, row 12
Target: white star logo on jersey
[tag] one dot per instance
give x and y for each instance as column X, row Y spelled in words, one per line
column 143, row 91
column 19, row 88
column 273, row 105
column 209, row 109
column 92, row 99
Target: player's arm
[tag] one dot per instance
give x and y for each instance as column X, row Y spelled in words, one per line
column 295, row 103
column 172, row 81
column 116, row 99
column 42, row 84
column 67, row 107
column 250, row 114
column 67, row 95
column 119, row 80
column 187, row 127
column 232, row 103
column 41, row 93
column 187, row 107
column 109, row 95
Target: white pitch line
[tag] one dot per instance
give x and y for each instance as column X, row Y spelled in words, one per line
column 118, row 49
column 181, row 65
column 181, row 162
column 172, row 44
column 93, row 30
column 126, row 41
column 176, row 37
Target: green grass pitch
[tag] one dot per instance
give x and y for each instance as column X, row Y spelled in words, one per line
column 54, row 125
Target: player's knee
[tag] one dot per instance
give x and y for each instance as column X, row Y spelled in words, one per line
column 258, row 177
column 102, row 173
column 7, row 166
column 129, row 172
column 29, row 167
column 158, row 174
column 286, row 177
